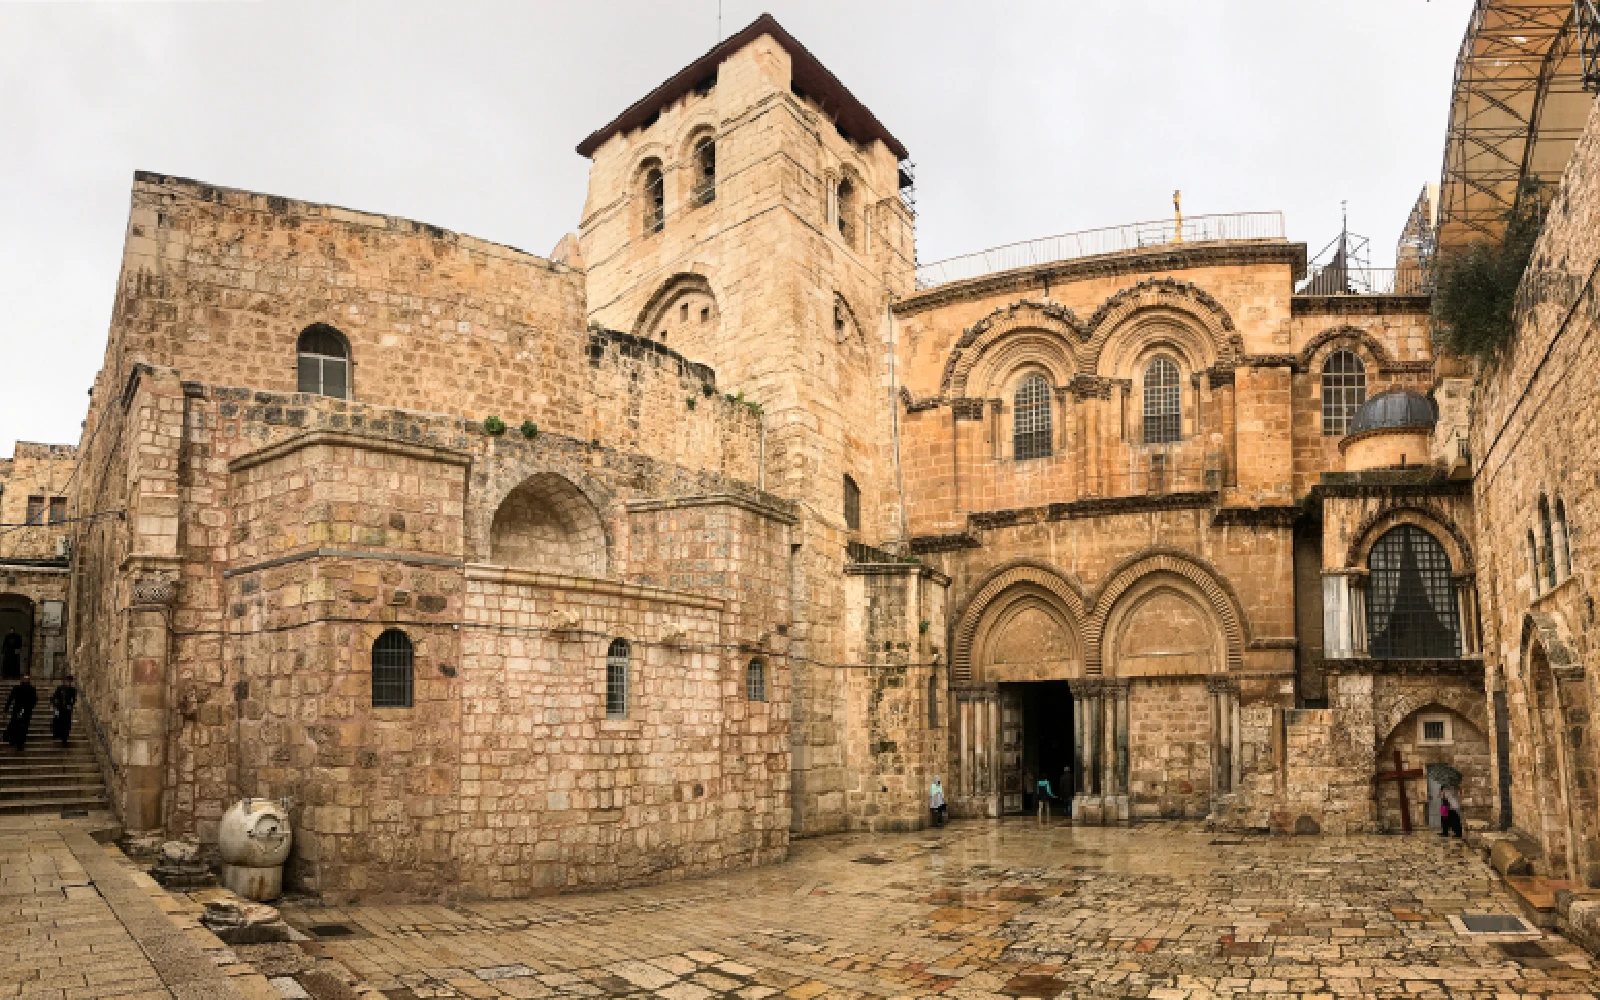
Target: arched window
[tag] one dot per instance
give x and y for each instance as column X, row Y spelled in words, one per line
column 852, row 504
column 655, row 200
column 705, row 172
column 1162, row 400
column 755, row 681
column 933, row 702
column 1533, row 562
column 1030, row 434
column 1549, row 542
column 617, row 679
column 1344, row 389
column 845, row 210
column 324, row 361
column 393, row 666
column 1563, row 538
column 1411, row 601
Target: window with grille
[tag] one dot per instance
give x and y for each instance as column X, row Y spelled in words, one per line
column 705, row 172
column 1411, row 601
column 1163, row 421
column 58, row 510
column 1549, row 543
column 393, row 666
column 755, row 681
column 1030, row 435
column 617, row 679
column 35, row 513
column 1433, row 730
column 655, row 201
column 1344, row 389
column 852, row 504
column 324, row 362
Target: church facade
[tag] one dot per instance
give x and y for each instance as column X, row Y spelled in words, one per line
column 727, row 523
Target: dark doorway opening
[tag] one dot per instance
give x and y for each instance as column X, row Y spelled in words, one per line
column 16, row 635
column 1037, row 720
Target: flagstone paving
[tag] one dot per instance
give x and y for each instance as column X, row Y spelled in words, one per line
column 977, row 910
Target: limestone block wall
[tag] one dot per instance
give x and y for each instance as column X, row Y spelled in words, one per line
column 34, row 470
column 33, row 601
column 1169, row 748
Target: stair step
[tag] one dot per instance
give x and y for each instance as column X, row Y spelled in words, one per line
column 49, row 791
column 48, row 781
column 48, row 805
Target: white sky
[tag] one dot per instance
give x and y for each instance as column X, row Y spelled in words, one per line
column 1024, row 119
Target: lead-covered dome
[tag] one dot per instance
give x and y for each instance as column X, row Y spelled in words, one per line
column 1394, row 409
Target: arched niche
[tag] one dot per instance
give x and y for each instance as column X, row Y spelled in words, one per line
column 547, row 524
column 1028, row 634
column 997, row 599
column 1163, row 626
column 1039, row 333
column 683, row 314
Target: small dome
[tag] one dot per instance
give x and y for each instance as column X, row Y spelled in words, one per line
column 1394, row 409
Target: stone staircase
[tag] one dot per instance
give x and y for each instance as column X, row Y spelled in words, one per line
column 47, row 777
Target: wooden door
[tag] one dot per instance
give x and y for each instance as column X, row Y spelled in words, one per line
column 1010, row 750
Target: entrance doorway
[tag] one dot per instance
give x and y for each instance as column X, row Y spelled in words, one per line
column 1036, row 743
column 16, row 635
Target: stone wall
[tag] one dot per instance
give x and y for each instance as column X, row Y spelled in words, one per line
column 42, row 471
column 1169, row 749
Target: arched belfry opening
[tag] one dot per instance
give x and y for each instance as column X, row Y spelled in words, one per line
column 548, row 524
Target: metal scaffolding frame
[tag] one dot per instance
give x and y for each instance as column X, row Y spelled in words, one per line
column 1517, row 109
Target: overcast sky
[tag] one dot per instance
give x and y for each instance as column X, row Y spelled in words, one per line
column 1024, row 119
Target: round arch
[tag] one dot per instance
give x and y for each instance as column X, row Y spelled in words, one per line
column 1162, row 625
column 1350, row 338
column 1471, row 707
column 1026, row 330
column 1209, row 330
column 1432, row 520
column 547, row 523
column 1037, row 582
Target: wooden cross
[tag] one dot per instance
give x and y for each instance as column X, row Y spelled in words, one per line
column 1399, row 776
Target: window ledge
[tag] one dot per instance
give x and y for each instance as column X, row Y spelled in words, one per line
column 622, row 726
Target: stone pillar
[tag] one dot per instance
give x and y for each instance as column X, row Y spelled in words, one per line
column 996, row 440
column 1115, row 796
column 1335, row 616
column 1087, row 804
column 964, row 777
column 1467, row 614
column 1230, row 430
column 994, row 754
column 144, row 702
column 1224, row 698
column 1358, row 614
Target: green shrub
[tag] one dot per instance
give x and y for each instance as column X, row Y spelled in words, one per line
column 1475, row 289
column 529, row 429
column 493, row 425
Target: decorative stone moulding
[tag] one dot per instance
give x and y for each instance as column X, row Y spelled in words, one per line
column 674, row 634
column 155, row 589
column 563, row 621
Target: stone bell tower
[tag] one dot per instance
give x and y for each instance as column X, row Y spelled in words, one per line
column 748, row 214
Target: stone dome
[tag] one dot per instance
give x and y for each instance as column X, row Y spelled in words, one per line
column 1394, row 409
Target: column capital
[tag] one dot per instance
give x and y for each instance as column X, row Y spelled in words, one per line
column 1086, row 687
column 1221, row 684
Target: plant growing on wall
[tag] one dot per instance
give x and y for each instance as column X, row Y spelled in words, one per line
column 690, row 402
column 530, row 430
column 1475, row 289
column 708, row 390
column 493, row 425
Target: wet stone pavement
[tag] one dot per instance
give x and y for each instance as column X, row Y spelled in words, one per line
column 976, row 910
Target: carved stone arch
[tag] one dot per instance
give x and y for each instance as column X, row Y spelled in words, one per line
column 1216, row 590
column 1056, row 322
column 700, row 343
column 1312, row 356
column 1469, row 706
column 1038, row 577
column 698, row 127
column 574, row 500
column 1433, row 520
column 1549, row 630
column 854, row 321
column 1560, row 708
column 1180, row 301
column 1162, row 625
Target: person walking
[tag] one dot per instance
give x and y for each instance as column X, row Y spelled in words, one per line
column 19, row 710
column 62, row 701
column 936, row 803
column 1044, row 794
column 1450, row 811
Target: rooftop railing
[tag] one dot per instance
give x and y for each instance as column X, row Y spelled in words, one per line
column 1336, row 279
column 1094, row 242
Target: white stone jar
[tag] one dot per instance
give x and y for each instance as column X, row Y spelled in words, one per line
column 254, row 838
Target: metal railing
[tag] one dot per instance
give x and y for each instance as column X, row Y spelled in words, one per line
column 1094, row 242
column 1335, row 279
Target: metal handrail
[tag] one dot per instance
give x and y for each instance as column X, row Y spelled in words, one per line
column 1338, row 279
column 1252, row 226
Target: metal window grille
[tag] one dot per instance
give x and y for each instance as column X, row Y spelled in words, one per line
column 1411, row 605
column 755, row 681
column 705, row 166
column 655, row 201
column 1030, row 436
column 58, row 509
column 1163, row 420
column 852, row 504
column 1549, row 543
column 1344, row 389
column 617, row 680
column 35, row 514
column 324, row 367
column 1433, row 731
column 393, row 665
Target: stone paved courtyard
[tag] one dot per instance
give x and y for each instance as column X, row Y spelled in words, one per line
column 978, row 910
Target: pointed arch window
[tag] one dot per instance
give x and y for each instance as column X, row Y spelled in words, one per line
column 655, row 200
column 1411, row 603
column 324, row 361
column 617, row 664
column 852, row 504
column 705, row 172
column 1163, row 421
column 845, row 210
column 1030, row 434
column 1344, row 389
column 393, row 670
column 1563, row 538
column 1533, row 563
column 1547, row 534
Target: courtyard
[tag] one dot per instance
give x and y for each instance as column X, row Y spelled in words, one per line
column 977, row 909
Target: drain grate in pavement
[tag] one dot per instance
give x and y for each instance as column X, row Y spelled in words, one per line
column 872, row 859
column 332, row 930
column 1494, row 923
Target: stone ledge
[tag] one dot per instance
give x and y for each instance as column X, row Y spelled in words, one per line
column 347, row 439
column 896, row 569
column 404, row 558
column 766, row 506
column 1466, row 666
column 487, row 573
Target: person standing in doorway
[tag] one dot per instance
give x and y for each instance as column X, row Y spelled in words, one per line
column 11, row 654
column 1066, row 790
column 62, row 701
column 936, row 803
column 19, row 712
column 1450, row 811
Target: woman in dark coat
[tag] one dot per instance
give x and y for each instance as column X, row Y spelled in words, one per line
column 19, row 709
column 62, row 700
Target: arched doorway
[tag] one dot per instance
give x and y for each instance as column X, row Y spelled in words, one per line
column 1549, row 772
column 16, row 636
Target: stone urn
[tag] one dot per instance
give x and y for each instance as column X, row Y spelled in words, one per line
column 254, row 839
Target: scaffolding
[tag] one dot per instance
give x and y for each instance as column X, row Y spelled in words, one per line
column 1517, row 108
